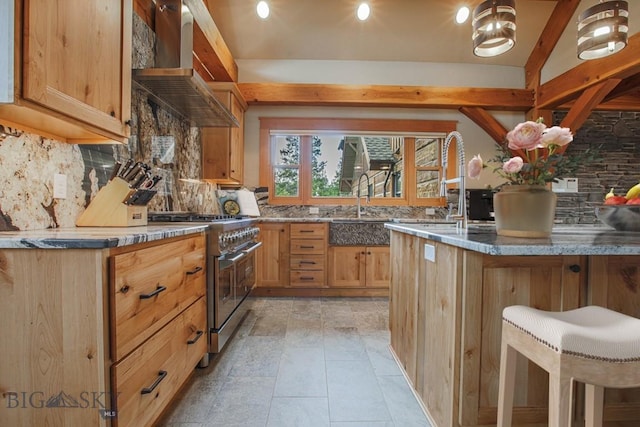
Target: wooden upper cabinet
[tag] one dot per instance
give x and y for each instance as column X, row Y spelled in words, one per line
column 72, row 70
column 223, row 148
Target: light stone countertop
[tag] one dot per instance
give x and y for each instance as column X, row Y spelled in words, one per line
column 565, row 240
column 94, row 237
column 366, row 219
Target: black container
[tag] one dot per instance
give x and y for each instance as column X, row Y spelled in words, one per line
column 480, row 204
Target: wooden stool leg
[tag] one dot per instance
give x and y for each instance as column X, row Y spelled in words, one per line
column 594, row 402
column 559, row 400
column 508, row 357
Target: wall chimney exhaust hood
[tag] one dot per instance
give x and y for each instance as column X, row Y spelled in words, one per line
column 173, row 82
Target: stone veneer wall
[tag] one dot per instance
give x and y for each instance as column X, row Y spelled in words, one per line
column 28, row 163
column 618, row 136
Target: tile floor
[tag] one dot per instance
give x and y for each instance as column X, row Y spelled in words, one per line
column 302, row 362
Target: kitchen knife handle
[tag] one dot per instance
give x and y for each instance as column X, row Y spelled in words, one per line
column 194, row 271
column 154, row 293
column 196, row 338
column 161, row 376
column 125, row 169
column 116, row 169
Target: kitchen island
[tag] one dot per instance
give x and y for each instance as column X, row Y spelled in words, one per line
column 447, row 291
column 101, row 326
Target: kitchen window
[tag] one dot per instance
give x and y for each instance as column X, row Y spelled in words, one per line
column 315, row 161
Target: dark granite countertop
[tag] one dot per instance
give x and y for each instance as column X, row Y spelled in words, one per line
column 93, row 237
column 565, row 240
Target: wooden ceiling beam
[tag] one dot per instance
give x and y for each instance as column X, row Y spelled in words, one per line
column 626, row 87
column 487, row 122
column 570, row 84
column 558, row 21
column 386, row 96
column 585, row 104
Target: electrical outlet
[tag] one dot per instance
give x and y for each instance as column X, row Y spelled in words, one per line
column 59, row 186
column 571, row 185
column 314, row 210
column 566, row 185
column 430, row 211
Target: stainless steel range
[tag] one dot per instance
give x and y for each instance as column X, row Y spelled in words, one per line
column 231, row 264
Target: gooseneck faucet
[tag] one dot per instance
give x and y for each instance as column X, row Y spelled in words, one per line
column 368, row 191
column 461, row 216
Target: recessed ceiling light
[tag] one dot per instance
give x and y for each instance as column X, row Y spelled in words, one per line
column 262, row 9
column 462, row 15
column 363, row 11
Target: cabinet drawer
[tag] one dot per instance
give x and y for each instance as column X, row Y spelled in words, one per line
column 301, row 278
column 307, row 246
column 151, row 286
column 311, row 230
column 307, row 262
column 146, row 380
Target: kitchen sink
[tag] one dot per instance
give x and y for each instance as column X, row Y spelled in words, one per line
column 358, row 220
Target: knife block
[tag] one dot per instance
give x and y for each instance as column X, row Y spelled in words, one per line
column 108, row 210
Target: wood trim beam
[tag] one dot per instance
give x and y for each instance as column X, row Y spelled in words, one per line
column 487, row 122
column 570, row 84
column 626, row 87
column 585, row 104
column 558, row 21
column 386, row 96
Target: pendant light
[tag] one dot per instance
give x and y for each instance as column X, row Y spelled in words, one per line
column 494, row 27
column 602, row 29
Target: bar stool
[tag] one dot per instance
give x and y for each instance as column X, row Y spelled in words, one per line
column 593, row 345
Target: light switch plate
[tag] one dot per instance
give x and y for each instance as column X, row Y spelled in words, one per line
column 59, row 186
column 429, row 252
column 314, row 210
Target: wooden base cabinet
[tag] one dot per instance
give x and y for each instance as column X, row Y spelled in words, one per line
column 295, row 260
column 72, row 78
column 272, row 258
column 308, row 248
column 445, row 325
column 73, row 342
column 359, row 266
column 446, row 316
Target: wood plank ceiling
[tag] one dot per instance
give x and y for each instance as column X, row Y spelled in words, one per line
column 611, row 83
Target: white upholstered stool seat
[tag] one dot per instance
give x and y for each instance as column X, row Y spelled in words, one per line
column 592, row 344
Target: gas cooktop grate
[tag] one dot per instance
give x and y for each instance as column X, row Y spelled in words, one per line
column 188, row 217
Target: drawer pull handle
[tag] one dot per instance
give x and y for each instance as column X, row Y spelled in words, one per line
column 155, row 384
column 154, row 293
column 194, row 271
column 306, row 231
column 306, row 247
column 196, row 338
column 574, row 268
column 307, row 262
column 306, row 278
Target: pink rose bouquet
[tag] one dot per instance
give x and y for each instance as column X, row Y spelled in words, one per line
column 533, row 154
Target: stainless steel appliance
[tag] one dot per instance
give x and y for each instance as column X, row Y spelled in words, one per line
column 231, row 245
column 480, row 204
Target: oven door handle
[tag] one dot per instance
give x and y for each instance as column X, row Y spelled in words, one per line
column 245, row 252
column 253, row 247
